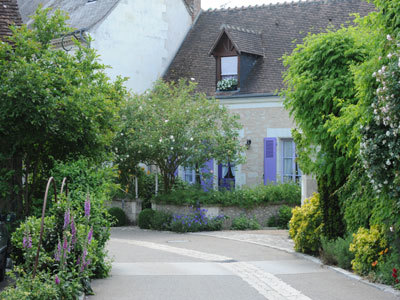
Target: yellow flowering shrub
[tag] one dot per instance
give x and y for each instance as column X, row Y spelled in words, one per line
column 305, row 226
column 368, row 246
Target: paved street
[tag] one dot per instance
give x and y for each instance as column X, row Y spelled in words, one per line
column 220, row 265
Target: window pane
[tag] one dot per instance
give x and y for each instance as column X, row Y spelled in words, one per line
column 288, row 149
column 189, row 175
column 288, row 166
column 229, row 65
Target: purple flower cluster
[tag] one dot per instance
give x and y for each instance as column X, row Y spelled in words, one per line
column 83, row 262
column 196, row 221
column 27, row 240
column 87, row 207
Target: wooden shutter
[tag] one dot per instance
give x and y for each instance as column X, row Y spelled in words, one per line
column 269, row 160
column 207, row 184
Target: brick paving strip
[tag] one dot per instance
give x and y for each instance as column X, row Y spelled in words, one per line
column 266, row 284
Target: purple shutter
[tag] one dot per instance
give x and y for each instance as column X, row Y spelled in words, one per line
column 269, row 160
column 207, row 184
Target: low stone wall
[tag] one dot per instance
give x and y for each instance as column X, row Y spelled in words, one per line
column 131, row 207
column 261, row 213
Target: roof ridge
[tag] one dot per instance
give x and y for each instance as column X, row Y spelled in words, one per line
column 241, row 29
column 271, row 5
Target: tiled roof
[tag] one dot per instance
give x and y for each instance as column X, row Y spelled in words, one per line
column 9, row 15
column 278, row 26
column 82, row 13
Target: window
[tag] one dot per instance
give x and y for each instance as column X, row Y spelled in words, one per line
column 290, row 169
column 189, row 175
column 229, row 67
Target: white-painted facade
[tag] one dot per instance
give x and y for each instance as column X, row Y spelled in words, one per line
column 139, row 39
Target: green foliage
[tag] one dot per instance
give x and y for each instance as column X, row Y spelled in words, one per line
column 357, row 200
column 161, row 220
column 42, row 287
column 119, row 215
column 284, row 216
column 306, row 225
column 85, row 177
column 367, row 245
column 54, row 104
column 320, row 86
column 244, row 223
column 337, row 252
column 172, row 126
column 145, row 217
column 288, row 193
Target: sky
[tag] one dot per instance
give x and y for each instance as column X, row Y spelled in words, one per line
column 206, row 4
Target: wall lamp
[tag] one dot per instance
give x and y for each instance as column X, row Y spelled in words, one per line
column 248, row 143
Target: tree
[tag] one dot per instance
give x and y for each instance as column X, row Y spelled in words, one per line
column 54, row 105
column 320, row 85
column 172, row 126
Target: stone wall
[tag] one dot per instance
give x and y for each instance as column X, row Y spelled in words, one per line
column 132, row 208
column 261, row 213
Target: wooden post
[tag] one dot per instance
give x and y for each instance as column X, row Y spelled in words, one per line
column 156, row 181
column 136, row 188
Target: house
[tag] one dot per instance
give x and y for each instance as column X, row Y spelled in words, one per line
column 235, row 56
column 138, row 39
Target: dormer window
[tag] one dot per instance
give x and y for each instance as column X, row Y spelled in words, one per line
column 236, row 51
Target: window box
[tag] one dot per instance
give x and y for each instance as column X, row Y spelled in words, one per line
column 228, row 84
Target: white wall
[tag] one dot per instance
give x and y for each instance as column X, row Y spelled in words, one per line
column 140, row 38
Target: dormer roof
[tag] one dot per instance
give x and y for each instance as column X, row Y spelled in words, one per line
column 243, row 39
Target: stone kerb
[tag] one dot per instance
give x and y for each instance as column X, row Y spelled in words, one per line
column 131, row 207
column 262, row 213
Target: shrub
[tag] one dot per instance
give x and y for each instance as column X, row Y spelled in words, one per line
column 161, row 220
column 366, row 246
column 305, row 226
column 385, row 273
column 272, row 221
column 284, row 216
column 145, row 217
column 337, row 252
column 286, row 193
column 196, row 221
column 119, row 215
column 244, row 223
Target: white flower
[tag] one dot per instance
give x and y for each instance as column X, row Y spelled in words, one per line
column 389, row 38
column 388, row 162
column 171, row 137
column 374, row 74
column 192, row 79
column 160, row 140
column 391, row 229
column 390, row 55
column 191, row 139
column 166, row 121
column 122, row 133
column 172, row 148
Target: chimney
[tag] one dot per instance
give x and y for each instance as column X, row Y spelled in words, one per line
column 194, row 7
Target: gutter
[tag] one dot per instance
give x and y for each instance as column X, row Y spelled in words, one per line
column 256, row 95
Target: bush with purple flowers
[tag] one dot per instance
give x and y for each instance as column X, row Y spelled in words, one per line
column 196, row 221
